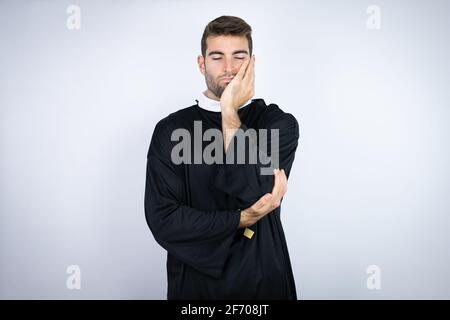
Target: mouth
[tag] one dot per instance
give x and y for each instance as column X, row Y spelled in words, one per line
column 227, row 79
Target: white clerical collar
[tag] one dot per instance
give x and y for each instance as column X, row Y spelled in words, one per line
column 212, row 105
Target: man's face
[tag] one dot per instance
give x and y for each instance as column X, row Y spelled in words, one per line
column 224, row 56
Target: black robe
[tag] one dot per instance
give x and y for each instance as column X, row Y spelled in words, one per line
column 193, row 212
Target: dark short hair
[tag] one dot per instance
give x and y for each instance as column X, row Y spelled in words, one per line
column 227, row 25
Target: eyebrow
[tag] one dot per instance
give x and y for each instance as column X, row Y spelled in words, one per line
column 234, row 52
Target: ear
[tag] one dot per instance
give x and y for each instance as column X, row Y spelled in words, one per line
column 201, row 63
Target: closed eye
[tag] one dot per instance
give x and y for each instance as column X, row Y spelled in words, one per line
column 239, row 58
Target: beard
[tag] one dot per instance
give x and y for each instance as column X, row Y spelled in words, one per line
column 214, row 85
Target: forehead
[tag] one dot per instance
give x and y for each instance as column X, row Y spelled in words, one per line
column 226, row 44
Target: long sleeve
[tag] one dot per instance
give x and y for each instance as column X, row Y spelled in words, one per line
column 199, row 238
column 245, row 181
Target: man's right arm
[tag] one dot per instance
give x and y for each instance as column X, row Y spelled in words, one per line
column 199, row 238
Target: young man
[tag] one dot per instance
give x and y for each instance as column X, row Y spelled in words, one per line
column 220, row 220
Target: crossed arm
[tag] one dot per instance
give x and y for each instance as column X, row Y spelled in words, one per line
column 237, row 92
column 202, row 238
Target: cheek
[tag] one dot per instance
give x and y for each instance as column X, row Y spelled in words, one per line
column 213, row 69
column 238, row 64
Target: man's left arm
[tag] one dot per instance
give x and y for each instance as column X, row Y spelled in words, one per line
column 246, row 181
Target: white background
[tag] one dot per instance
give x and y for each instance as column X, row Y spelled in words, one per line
column 369, row 185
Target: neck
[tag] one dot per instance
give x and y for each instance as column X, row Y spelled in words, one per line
column 211, row 95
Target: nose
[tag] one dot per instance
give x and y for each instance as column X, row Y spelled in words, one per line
column 230, row 66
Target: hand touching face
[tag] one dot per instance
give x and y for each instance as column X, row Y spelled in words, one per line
column 241, row 88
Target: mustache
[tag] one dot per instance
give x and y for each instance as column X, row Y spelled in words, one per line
column 227, row 76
